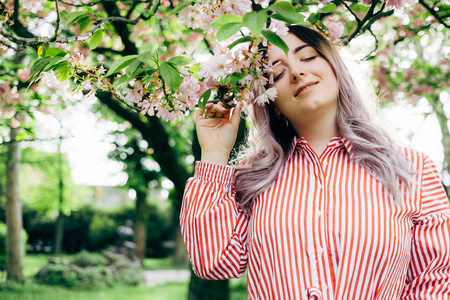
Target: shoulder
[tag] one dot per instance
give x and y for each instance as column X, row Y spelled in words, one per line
column 418, row 159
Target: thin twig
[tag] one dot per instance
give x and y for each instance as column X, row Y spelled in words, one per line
column 434, row 13
column 58, row 20
column 40, row 40
column 98, row 2
column 351, row 11
column 369, row 55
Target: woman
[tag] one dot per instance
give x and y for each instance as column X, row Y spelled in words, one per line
column 325, row 205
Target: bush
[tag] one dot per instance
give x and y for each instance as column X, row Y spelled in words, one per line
column 86, row 259
column 90, row 270
column 3, row 231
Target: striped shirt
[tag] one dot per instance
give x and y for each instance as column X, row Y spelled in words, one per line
column 325, row 229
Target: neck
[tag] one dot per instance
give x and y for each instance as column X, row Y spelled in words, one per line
column 317, row 133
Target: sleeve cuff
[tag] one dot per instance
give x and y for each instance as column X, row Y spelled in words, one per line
column 214, row 173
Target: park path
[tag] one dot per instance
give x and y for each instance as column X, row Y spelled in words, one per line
column 156, row 277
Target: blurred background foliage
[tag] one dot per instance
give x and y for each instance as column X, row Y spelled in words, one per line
column 405, row 52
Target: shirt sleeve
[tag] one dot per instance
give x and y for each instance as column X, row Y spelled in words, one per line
column 214, row 229
column 428, row 276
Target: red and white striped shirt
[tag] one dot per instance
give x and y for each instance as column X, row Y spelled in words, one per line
column 325, row 229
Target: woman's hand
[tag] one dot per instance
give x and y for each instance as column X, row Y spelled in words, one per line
column 217, row 131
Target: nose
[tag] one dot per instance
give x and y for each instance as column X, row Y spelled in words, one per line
column 297, row 75
column 297, row 72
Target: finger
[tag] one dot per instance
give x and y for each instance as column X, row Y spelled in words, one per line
column 216, row 111
column 198, row 115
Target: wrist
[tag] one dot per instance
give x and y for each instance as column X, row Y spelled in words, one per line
column 218, row 158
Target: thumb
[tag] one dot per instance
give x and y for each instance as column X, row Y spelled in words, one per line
column 236, row 116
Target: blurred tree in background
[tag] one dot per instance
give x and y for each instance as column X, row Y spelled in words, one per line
column 406, row 47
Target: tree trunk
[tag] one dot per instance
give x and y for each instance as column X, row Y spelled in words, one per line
column 59, row 225
column 200, row 289
column 14, row 241
column 438, row 108
column 140, row 227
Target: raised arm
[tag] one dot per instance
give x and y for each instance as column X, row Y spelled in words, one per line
column 213, row 228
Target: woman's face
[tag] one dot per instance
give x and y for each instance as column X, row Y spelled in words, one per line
column 306, row 84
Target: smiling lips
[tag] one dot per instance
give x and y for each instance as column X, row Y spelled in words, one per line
column 306, row 88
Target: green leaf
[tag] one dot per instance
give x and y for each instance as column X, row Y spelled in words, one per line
column 95, row 40
column 150, row 71
column 84, row 22
column 195, row 69
column 179, row 60
column 55, row 52
column 121, row 63
column 42, row 50
column 170, row 75
column 286, row 11
column 225, row 19
column 228, row 30
column 38, row 66
column 133, row 67
column 238, row 76
column 64, row 72
column 240, row 41
column 300, row 19
column 180, row 8
column 255, row 21
column 145, row 56
column 313, row 18
column 72, row 17
column 274, row 39
column 204, row 99
column 328, row 8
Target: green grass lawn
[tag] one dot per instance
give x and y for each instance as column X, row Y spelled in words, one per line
column 168, row 291
column 33, row 291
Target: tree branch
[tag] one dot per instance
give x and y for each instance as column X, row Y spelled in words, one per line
column 434, row 13
column 39, row 40
column 158, row 139
column 99, row 2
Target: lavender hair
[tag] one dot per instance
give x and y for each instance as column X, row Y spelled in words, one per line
column 271, row 142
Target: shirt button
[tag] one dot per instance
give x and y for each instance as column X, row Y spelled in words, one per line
column 325, row 163
column 319, row 213
column 320, row 186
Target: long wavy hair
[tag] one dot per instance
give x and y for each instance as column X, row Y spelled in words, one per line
column 271, row 136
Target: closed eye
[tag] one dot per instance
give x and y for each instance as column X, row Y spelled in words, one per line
column 278, row 76
column 309, row 58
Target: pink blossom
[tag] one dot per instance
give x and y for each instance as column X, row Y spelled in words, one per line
column 268, row 95
column 165, row 114
column 14, row 123
column 399, row 3
column 366, row 2
column 335, row 31
column 237, row 7
column 50, row 80
column 135, row 95
column 279, row 27
column 32, row 5
column 188, row 17
column 23, row 74
column 89, row 96
column 86, row 85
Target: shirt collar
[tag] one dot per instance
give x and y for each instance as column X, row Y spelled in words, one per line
column 334, row 143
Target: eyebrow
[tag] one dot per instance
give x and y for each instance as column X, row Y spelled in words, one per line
column 295, row 51
column 300, row 48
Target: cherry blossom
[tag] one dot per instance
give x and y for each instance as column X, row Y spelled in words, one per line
column 335, row 31
column 32, row 5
